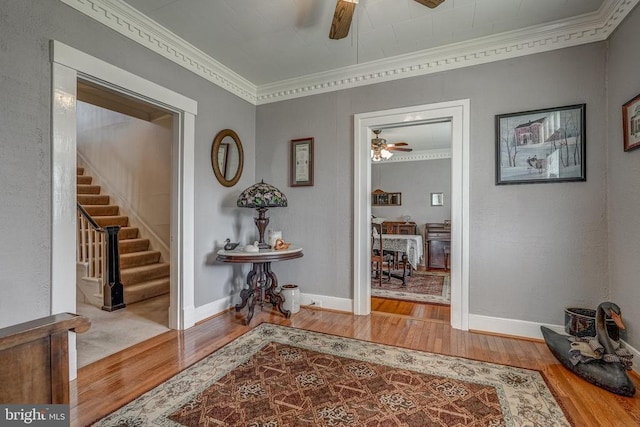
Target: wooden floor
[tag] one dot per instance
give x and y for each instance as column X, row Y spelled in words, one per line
column 108, row 384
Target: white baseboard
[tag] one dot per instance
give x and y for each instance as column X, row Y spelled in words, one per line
column 323, row 301
column 525, row 329
column 211, row 309
column 518, row 328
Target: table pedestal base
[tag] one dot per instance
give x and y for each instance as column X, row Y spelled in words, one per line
column 262, row 284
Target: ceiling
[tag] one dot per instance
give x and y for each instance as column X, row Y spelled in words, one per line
column 420, row 137
column 267, row 41
column 267, row 51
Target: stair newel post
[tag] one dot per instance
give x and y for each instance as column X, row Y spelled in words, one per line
column 113, row 289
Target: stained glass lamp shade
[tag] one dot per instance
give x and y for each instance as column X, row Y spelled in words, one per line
column 262, row 196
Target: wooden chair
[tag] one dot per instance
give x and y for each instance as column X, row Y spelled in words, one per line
column 378, row 257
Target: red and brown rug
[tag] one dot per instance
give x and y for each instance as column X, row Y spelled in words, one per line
column 421, row 286
column 280, row 376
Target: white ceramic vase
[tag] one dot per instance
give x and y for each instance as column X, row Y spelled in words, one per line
column 291, row 295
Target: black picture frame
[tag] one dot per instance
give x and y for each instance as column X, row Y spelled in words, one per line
column 541, row 146
column 301, row 163
column 631, row 123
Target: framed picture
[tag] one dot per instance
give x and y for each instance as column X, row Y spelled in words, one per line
column 541, row 146
column 631, row 124
column 301, row 167
column 223, row 158
column 437, row 199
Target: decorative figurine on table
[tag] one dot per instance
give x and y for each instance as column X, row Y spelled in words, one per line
column 281, row 245
column 252, row 248
column 228, row 246
column 599, row 360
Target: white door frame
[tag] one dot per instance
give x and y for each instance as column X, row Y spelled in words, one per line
column 458, row 112
column 68, row 64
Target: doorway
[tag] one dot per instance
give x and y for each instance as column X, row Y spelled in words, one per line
column 364, row 123
column 68, row 65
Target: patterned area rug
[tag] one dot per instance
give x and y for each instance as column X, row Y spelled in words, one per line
column 422, row 286
column 281, row 376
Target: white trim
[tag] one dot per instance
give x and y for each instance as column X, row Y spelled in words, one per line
column 322, row 301
column 328, row 302
column 458, row 112
column 211, row 309
column 526, row 329
column 415, row 156
column 75, row 64
column 131, row 23
column 574, row 31
column 513, row 327
column 63, row 196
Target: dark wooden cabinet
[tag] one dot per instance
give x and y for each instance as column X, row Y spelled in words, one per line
column 437, row 245
column 399, row 227
column 382, row 198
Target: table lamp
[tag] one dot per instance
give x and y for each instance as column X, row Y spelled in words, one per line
column 262, row 196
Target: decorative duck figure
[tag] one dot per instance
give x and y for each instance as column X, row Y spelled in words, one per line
column 605, row 365
column 228, row 246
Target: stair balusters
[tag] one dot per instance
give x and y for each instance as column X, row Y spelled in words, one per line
column 98, row 248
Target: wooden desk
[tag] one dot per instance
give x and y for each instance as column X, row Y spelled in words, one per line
column 437, row 245
column 261, row 281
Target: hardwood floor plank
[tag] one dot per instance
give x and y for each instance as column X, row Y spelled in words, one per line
column 108, row 384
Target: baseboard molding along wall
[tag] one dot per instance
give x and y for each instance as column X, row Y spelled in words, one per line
column 525, row 329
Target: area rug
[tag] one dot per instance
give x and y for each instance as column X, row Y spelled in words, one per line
column 422, row 286
column 280, row 376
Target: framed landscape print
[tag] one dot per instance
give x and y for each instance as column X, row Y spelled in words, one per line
column 301, row 167
column 541, row 146
column 631, row 124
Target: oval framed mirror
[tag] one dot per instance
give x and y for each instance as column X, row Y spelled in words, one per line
column 227, row 157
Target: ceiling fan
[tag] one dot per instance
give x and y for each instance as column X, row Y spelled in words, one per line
column 344, row 14
column 380, row 150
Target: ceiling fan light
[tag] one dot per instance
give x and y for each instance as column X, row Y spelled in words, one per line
column 386, row 154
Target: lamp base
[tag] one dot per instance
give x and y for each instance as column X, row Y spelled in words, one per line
column 261, row 222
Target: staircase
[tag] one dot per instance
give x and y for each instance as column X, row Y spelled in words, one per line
column 142, row 273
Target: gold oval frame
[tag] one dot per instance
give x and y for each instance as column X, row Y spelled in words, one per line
column 215, row 147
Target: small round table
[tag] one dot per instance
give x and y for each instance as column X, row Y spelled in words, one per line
column 261, row 281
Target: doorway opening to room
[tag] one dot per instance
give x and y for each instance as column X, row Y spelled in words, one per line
column 457, row 113
column 124, row 152
column 411, row 206
column 68, row 68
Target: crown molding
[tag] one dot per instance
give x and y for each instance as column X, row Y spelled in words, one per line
column 588, row 28
column 131, row 23
column 415, row 156
column 120, row 17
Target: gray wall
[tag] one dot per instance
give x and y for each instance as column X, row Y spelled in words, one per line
column 26, row 28
column 624, row 175
column 416, row 181
column 534, row 249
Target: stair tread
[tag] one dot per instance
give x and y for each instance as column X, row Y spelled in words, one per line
column 139, row 253
column 140, row 268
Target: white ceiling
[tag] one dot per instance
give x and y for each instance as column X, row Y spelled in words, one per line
column 267, row 41
column 421, row 137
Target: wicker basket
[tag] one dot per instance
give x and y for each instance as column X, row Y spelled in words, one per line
column 581, row 322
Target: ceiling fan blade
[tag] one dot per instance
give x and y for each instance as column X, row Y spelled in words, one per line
column 430, row 3
column 397, row 144
column 342, row 19
column 399, row 149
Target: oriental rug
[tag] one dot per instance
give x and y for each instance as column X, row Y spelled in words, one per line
column 421, row 286
column 280, row 376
